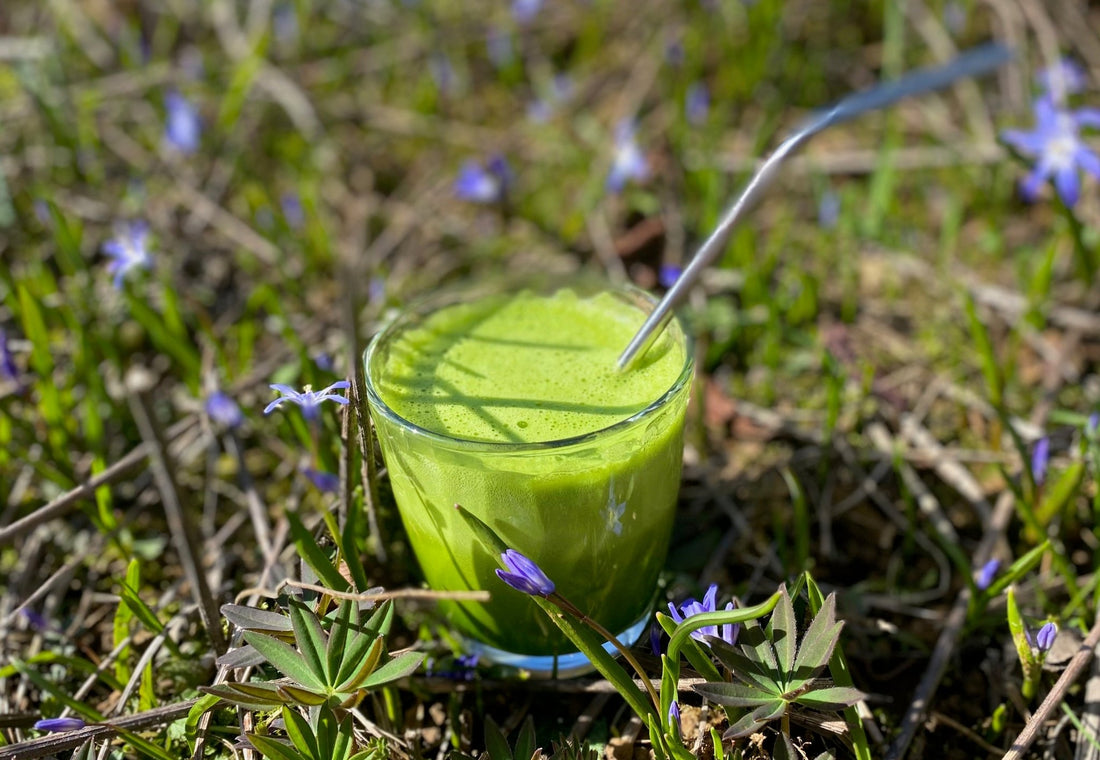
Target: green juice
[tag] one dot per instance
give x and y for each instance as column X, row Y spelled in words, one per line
column 512, row 406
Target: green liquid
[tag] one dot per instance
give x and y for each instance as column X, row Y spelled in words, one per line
column 493, row 379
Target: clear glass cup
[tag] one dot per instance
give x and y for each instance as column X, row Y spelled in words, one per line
column 594, row 511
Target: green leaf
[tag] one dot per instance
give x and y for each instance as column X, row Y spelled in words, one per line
column 284, row 657
column 300, row 733
column 525, row 740
column 314, row 556
column 817, row 644
column 310, row 639
column 399, row 667
column 346, row 543
column 380, row 622
column 754, row 643
column 274, row 749
column 1018, row 569
column 253, row 619
column 337, row 639
column 495, row 743
column 984, row 346
column 830, row 698
column 656, row 737
column 298, row 695
column 140, row 609
column 734, row 694
column 670, row 675
column 746, row 670
column 359, row 668
column 754, row 720
column 144, row 746
column 692, row 651
column 782, row 631
column 256, row 696
column 202, row 705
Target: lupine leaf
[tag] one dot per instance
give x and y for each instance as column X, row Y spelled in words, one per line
column 273, row 748
column 301, row 696
column 310, row 639
column 744, row 669
column 229, row 694
column 782, row 631
column 300, row 733
column 285, row 658
column 253, row 619
column 734, row 694
column 495, row 743
column 756, row 647
column 817, row 644
column 830, row 698
column 525, row 740
column 241, row 657
column 399, row 667
column 361, row 668
column 380, row 622
column 761, row 716
column 337, row 638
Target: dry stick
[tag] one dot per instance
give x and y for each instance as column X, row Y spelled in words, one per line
column 949, row 636
column 51, row 745
column 1057, row 692
column 1090, row 721
column 62, row 504
column 409, row 593
column 139, row 382
column 257, row 511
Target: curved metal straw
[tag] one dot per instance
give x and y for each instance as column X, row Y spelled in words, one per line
column 972, row 63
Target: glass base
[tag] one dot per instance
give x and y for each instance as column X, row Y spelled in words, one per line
column 550, row 666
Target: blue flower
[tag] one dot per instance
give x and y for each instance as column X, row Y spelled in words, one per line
column 668, row 274
column 524, row 575
column 674, row 715
column 1044, row 639
column 325, row 482
column 1059, row 152
column 1092, row 424
column 223, row 410
column 828, row 210
column 691, row 608
column 524, row 11
column 308, row 398
column 1066, row 77
column 128, row 250
column 35, row 619
column 8, row 367
column 182, row 128
column 58, row 725
column 987, row 574
column 1040, row 459
column 293, row 213
column 697, row 103
column 443, row 73
column 629, row 162
column 498, row 44
column 483, row 184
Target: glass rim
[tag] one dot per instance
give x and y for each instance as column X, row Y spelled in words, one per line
column 376, row 402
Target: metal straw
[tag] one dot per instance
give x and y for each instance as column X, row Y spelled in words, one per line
column 972, row 63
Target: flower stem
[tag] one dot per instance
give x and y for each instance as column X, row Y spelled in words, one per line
column 569, row 607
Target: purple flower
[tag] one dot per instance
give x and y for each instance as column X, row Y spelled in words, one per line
column 293, row 213
column 697, row 103
column 674, row 52
column 1092, row 424
column 690, row 608
column 8, row 367
column 498, row 44
column 36, row 620
column 655, row 639
column 668, row 274
column 325, row 482
column 828, row 209
column 443, row 73
column 1058, row 149
column 674, row 715
column 1066, row 77
column 308, row 398
column 524, row 575
column 223, row 410
column 1044, row 639
column 58, row 725
column 182, row 128
column 629, row 162
column 128, row 250
column 1040, row 459
column 483, row 184
column 524, row 11
column 987, row 574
